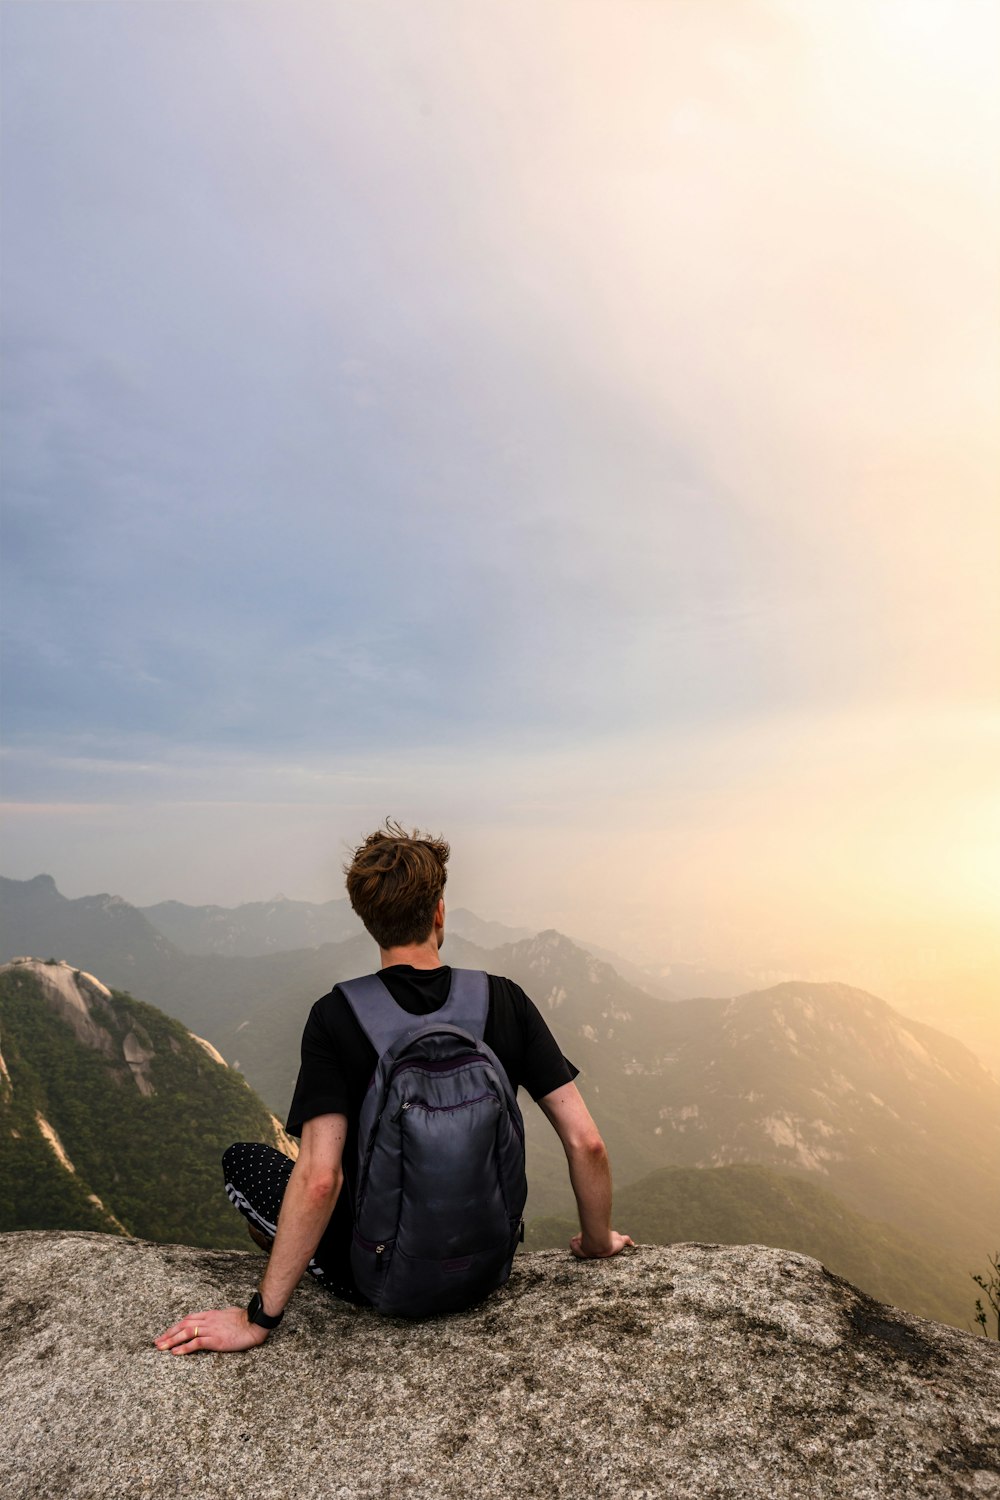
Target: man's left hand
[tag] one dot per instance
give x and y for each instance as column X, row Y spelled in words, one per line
column 586, row 1249
column 228, row 1329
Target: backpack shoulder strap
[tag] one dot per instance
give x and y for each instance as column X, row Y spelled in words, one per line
column 384, row 1022
column 468, row 1002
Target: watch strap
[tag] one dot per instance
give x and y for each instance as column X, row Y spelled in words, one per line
column 256, row 1313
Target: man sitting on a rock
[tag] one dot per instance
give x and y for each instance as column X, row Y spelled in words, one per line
column 296, row 1210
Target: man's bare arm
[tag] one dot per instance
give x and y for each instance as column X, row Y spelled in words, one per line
column 589, row 1172
column 306, row 1207
column 310, row 1198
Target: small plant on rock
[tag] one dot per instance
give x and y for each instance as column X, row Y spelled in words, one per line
column 991, row 1286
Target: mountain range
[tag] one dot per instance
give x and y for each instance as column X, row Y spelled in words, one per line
column 279, row 925
column 824, row 1085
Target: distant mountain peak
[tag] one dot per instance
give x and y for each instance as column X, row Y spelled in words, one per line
column 552, row 939
column 797, row 989
column 552, row 946
column 485, row 933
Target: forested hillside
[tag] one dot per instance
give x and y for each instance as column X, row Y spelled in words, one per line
column 112, row 1115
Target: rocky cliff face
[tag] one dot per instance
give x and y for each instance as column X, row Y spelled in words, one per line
column 690, row 1371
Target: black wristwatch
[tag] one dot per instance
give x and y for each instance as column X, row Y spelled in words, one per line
column 256, row 1313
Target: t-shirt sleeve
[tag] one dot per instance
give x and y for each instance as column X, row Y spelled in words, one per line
column 545, row 1067
column 320, row 1088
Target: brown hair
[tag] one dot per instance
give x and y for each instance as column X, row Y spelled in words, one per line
column 395, row 880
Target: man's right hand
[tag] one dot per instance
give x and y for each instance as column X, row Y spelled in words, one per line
column 585, row 1248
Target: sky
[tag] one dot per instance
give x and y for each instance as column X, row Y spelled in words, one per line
column 570, row 427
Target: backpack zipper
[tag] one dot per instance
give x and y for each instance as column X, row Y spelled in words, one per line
column 439, row 1065
column 378, row 1249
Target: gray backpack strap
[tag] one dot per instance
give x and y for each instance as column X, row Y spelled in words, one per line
column 468, row 1002
column 375, row 1011
column 384, row 1022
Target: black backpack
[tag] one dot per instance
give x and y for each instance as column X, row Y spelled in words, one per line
column 441, row 1187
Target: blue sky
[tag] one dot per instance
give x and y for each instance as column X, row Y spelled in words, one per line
column 567, row 426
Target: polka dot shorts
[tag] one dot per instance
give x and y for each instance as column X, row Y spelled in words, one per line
column 256, row 1177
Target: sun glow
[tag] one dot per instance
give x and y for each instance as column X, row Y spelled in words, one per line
column 940, row 39
column 938, row 36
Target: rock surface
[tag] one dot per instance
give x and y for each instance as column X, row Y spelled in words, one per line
column 688, row 1371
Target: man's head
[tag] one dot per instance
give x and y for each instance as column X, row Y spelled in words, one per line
column 395, row 881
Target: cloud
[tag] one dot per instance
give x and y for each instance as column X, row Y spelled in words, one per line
column 518, row 414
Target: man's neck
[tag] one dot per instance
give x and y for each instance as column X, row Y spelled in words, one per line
column 420, row 955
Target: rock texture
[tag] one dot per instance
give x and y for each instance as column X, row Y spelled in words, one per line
column 688, row 1371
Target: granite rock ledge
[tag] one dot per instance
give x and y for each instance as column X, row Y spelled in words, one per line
column 683, row 1371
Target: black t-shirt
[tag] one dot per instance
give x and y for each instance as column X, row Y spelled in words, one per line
column 338, row 1061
